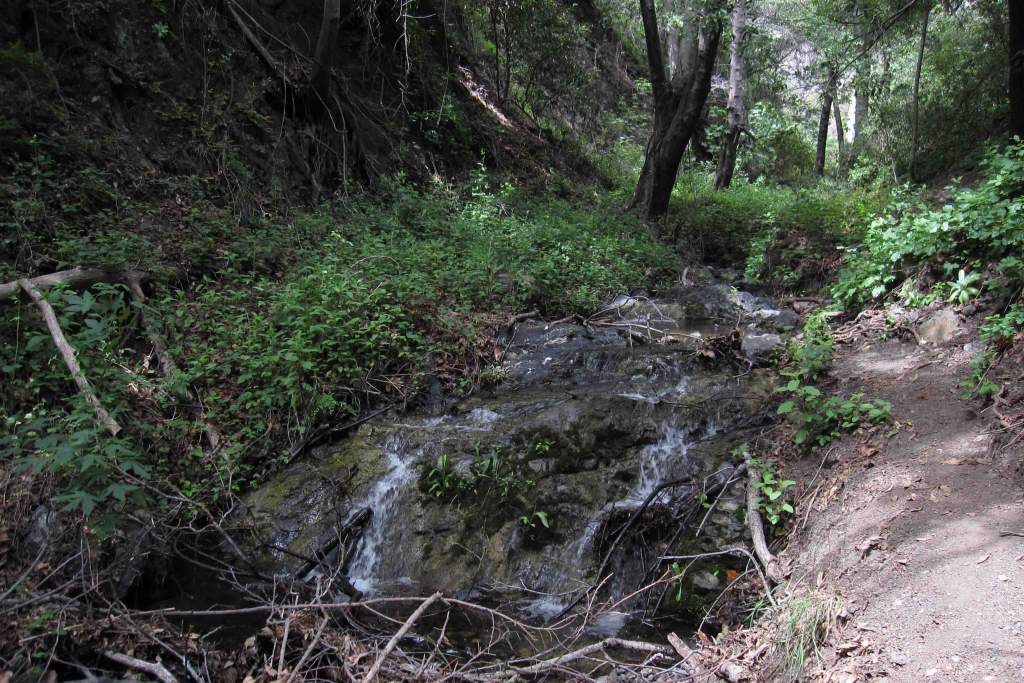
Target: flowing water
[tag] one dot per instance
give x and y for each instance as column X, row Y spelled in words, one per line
column 586, row 425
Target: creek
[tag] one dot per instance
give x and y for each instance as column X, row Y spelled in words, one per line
column 520, row 493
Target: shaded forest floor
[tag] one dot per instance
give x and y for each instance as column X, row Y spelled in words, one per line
column 918, row 530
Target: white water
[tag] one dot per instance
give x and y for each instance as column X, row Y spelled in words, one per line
column 383, row 499
column 657, row 461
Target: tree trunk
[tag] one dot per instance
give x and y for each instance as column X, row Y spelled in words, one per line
column 917, row 93
column 677, row 107
column 860, row 91
column 324, row 55
column 699, row 141
column 1016, row 16
column 837, row 117
column 827, row 96
column 737, row 109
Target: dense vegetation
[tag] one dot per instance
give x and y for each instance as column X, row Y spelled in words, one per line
column 332, row 217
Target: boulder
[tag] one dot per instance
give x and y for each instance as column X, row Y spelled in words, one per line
column 757, row 347
column 940, row 328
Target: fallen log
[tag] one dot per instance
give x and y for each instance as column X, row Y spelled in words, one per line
column 556, row 662
column 68, row 353
column 75, row 277
column 690, row 658
column 78, row 277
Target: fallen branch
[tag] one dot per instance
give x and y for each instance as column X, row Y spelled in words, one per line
column 307, row 653
column 75, row 277
column 68, row 353
column 555, row 662
column 154, row 669
column 771, row 565
column 167, row 364
column 257, row 45
column 372, row 673
column 522, row 317
column 689, row 656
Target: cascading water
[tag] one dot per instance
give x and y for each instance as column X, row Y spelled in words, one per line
column 585, row 424
column 383, row 499
column 659, row 462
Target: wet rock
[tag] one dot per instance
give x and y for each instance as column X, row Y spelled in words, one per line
column 583, row 428
column 940, row 328
column 780, row 320
column 757, row 347
column 705, row 580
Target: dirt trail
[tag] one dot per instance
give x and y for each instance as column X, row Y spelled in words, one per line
column 911, row 530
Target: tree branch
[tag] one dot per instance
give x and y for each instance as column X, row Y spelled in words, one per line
column 68, row 353
column 154, row 669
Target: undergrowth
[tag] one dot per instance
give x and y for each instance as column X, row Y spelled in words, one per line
column 819, row 417
column 942, row 249
column 310, row 320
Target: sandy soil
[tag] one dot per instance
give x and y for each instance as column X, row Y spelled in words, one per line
column 921, row 532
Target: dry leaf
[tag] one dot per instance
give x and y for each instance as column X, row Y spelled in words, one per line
column 984, row 557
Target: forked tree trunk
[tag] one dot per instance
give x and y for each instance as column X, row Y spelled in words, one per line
column 677, row 106
column 827, row 96
column 1016, row 16
column 917, row 93
column 737, row 108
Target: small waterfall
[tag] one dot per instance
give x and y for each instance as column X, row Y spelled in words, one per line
column 659, row 461
column 383, row 499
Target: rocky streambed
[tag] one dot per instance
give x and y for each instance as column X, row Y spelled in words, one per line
column 523, row 489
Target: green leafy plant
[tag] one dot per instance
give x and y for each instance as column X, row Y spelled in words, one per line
column 677, row 581
column 773, row 503
column 441, row 479
column 964, row 288
column 530, row 520
column 821, row 419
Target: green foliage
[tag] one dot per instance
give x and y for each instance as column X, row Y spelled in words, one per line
column 531, row 519
column 1000, row 329
column 782, row 235
column 440, row 478
column 822, row 418
column 964, row 287
column 810, row 357
column 779, row 147
column 773, row 488
column 978, row 385
column 983, row 223
column 490, row 482
column 49, row 428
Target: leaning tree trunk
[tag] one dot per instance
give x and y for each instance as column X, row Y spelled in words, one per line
column 917, row 94
column 826, row 111
column 677, row 107
column 737, row 109
column 1016, row 16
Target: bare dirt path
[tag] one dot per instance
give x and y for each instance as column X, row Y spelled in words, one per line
column 922, row 532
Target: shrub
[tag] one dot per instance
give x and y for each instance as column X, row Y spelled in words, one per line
column 983, row 223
